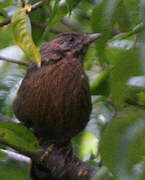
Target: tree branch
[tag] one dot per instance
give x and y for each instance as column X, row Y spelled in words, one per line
column 14, row 61
column 66, row 166
column 57, row 161
column 61, row 164
column 35, row 6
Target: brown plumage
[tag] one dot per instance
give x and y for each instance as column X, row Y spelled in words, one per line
column 55, row 99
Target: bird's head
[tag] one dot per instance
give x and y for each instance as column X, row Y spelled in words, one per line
column 71, row 45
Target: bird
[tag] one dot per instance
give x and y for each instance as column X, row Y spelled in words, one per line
column 54, row 100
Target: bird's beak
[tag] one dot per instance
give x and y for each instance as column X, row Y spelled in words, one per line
column 92, row 37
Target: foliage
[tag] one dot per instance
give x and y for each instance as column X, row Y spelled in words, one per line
column 22, row 35
column 19, row 135
column 115, row 65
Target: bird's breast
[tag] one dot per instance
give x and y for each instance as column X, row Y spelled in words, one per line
column 55, row 98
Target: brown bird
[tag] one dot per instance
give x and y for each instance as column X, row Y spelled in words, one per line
column 55, row 99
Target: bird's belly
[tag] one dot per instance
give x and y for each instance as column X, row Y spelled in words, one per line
column 58, row 106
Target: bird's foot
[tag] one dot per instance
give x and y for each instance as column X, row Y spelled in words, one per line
column 49, row 150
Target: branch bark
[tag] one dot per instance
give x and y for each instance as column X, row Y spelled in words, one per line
column 64, row 166
column 59, row 161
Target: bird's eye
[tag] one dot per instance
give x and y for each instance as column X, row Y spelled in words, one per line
column 70, row 39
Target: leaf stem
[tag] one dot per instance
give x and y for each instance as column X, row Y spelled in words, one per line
column 135, row 30
column 14, row 61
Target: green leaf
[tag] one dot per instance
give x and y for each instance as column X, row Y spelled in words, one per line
column 62, row 10
column 123, row 20
column 22, row 35
column 85, row 143
column 100, row 86
column 133, row 10
column 142, row 49
column 3, row 156
column 18, row 135
column 70, row 4
column 126, row 65
column 6, row 3
column 141, row 98
column 9, row 82
column 52, row 19
column 5, row 36
column 102, row 21
column 57, row 14
column 14, row 170
column 122, row 145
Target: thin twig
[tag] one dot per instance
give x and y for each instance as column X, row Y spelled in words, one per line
column 35, row 6
column 140, row 27
column 16, row 156
column 14, row 61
